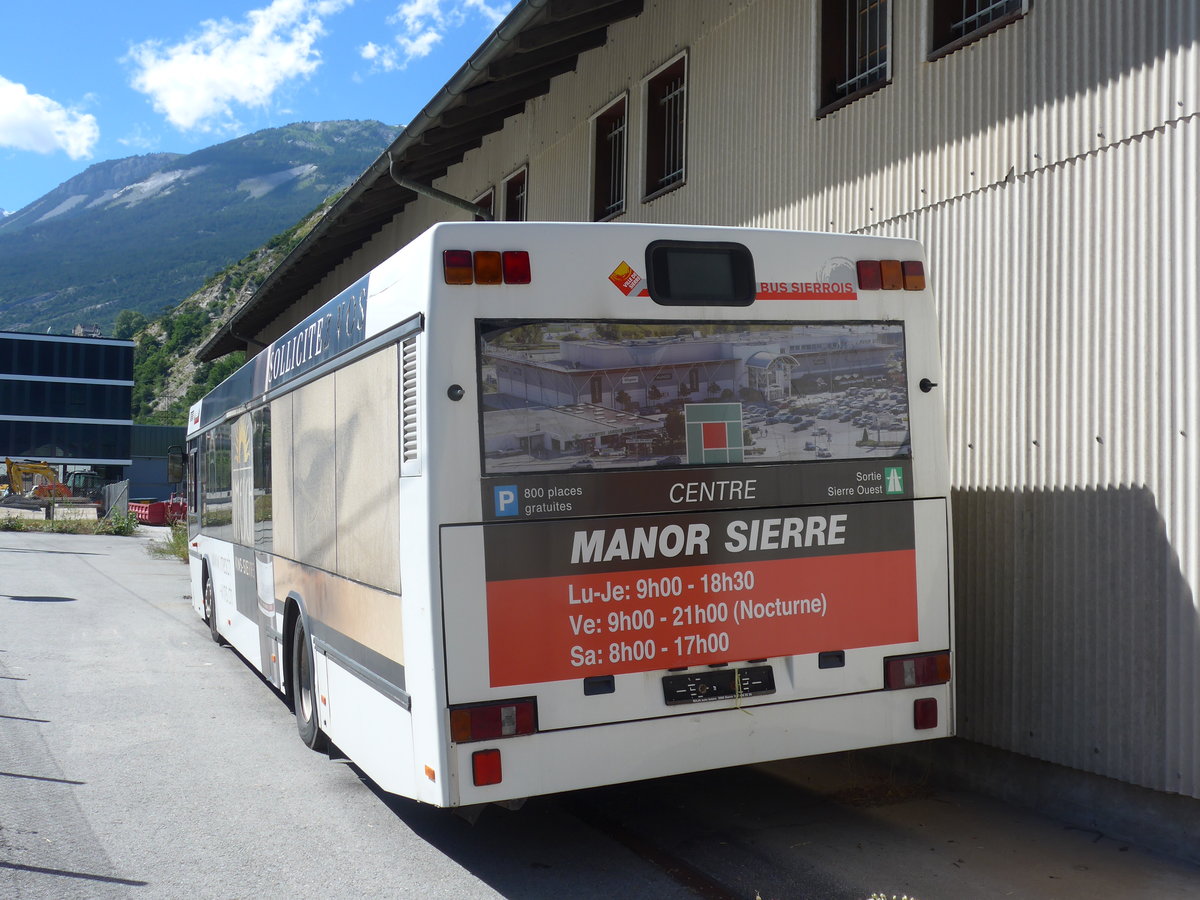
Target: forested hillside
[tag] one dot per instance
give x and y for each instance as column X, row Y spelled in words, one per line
column 167, row 378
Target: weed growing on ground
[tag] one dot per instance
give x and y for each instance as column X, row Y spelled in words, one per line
column 70, row 526
column 121, row 524
column 174, row 547
column 118, row 523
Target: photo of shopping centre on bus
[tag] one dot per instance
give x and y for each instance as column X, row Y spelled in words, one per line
column 580, row 395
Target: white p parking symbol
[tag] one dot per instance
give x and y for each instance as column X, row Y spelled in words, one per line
column 505, row 498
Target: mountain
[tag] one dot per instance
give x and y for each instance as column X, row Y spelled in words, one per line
column 143, row 233
column 167, row 379
column 90, row 189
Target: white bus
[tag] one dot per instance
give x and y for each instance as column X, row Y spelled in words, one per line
column 536, row 507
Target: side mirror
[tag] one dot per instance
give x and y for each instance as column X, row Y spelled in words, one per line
column 175, row 465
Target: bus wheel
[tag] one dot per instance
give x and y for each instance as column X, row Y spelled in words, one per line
column 210, row 612
column 304, row 694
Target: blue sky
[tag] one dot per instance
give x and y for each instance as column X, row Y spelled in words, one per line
column 82, row 82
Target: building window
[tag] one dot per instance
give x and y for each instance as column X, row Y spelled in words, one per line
column 263, row 515
column 666, row 127
column 514, row 196
column 608, row 177
column 487, row 202
column 956, row 23
column 855, row 39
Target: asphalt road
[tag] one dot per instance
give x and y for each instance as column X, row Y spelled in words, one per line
column 138, row 759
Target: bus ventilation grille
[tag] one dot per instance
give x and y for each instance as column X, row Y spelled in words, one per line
column 408, row 399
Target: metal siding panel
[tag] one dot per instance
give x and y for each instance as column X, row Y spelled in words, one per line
column 1071, row 375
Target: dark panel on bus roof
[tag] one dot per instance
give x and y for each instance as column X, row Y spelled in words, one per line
column 537, row 41
column 236, row 390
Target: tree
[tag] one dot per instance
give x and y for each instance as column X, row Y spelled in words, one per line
column 675, row 426
column 129, row 322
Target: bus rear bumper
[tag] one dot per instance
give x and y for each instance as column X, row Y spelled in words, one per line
column 576, row 758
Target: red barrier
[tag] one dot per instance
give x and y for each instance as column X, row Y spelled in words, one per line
column 150, row 513
column 159, row 512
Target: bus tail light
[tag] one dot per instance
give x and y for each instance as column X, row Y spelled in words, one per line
column 890, row 275
column 516, row 267
column 456, row 267
column 485, row 767
column 914, row 275
column 916, row 671
column 486, row 267
column 925, row 713
column 489, row 721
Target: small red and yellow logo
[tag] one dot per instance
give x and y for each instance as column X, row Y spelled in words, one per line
column 626, row 280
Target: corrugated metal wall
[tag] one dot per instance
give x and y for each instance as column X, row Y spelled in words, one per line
column 1051, row 169
column 1068, row 301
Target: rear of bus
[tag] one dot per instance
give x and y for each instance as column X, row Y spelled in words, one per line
column 690, row 496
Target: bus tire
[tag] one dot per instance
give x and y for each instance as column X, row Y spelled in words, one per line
column 210, row 612
column 304, row 691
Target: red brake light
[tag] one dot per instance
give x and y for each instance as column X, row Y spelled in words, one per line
column 916, row 671
column 488, row 722
column 869, row 276
column 456, row 267
column 485, row 767
column 925, row 713
column 516, row 267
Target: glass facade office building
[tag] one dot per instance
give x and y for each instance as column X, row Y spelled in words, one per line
column 66, row 400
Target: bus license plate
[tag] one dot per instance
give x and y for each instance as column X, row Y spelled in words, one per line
column 718, row 684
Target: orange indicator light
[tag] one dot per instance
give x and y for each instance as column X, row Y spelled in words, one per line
column 487, row 267
column 893, row 275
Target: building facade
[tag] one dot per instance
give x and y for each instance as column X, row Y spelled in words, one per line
column 67, row 400
column 1047, row 153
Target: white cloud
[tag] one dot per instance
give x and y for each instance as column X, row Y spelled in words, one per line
column 493, row 12
column 33, row 122
column 423, row 24
column 198, row 83
column 139, row 139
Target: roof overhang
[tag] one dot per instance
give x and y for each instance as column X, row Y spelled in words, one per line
column 537, row 41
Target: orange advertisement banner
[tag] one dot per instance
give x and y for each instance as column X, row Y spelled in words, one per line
column 576, row 626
